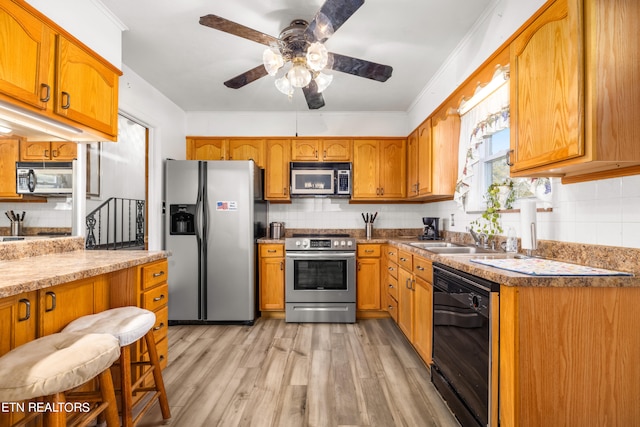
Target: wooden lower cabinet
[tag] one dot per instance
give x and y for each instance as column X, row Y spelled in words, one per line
column 271, row 277
column 405, row 302
column 60, row 305
column 568, row 356
column 368, row 277
column 18, row 316
column 423, row 307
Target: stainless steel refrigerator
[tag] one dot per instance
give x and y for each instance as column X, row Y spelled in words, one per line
column 214, row 213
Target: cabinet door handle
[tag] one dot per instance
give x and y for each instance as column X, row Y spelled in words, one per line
column 392, row 253
column 46, row 153
column 271, row 251
column 382, row 191
column 389, row 307
column 160, row 326
column 158, row 274
column 412, row 285
column 390, row 286
column 390, row 268
column 403, row 259
column 161, row 357
column 359, row 266
column 406, row 284
column 53, row 301
column 47, row 92
column 27, row 314
column 420, row 268
column 54, row 153
column 161, row 297
column 509, row 163
column 324, row 154
column 369, row 251
column 281, row 265
column 67, row 97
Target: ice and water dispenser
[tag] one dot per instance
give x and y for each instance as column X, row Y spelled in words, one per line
column 183, row 219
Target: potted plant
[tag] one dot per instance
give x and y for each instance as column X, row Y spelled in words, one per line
column 499, row 196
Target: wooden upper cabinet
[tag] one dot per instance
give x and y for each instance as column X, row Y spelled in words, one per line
column 305, row 150
column 445, row 138
column 48, row 151
column 412, row 164
column 336, row 150
column 9, row 155
column 278, row 156
column 575, row 91
column 44, row 69
column 207, row 148
column 247, row 149
column 26, row 37
column 379, row 169
column 321, row 150
column 419, row 166
column 547, row 79
column 86, row 89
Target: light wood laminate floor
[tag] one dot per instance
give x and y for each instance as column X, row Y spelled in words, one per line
column 289, row 374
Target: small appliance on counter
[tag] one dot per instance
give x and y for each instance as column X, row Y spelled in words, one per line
column 431, row 226
column 276, row 230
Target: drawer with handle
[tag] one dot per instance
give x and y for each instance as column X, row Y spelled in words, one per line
column 372, row 251
column 405, row 260
column 155, row 298
column 423, row 268
column 160, row 328
column 154, row 274
column 271, row 251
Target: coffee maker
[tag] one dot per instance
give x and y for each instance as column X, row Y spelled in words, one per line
column 430, row 228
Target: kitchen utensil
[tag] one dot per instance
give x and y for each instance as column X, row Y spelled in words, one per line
column 368, row 229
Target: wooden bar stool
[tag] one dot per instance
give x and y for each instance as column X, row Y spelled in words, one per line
column 52, row 365
column 128, row 325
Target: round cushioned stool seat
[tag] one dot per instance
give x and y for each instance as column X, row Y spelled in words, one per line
column 55, row 363
column 127, row 324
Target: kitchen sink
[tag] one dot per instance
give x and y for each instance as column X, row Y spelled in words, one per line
column 454, row 250
column 428, row 245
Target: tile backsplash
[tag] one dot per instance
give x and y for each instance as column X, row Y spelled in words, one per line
column 605, row 212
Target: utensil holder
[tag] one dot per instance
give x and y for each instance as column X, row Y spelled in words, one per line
column 368, row 230
column 16, row 228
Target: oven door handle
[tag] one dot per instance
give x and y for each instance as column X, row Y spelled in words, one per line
column 317, row 255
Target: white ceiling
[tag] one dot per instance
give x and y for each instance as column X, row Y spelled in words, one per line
column 188, row 62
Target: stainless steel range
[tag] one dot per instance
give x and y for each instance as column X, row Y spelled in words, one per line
column 320, row 284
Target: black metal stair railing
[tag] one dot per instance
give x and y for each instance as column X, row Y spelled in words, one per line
column 117, row 223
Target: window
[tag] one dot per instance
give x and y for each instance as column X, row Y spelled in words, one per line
column 492, row 168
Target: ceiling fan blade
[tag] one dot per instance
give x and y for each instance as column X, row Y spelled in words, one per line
column 314, row 99
column 360, row 67
column 337, row 12
column 236, row 29
column 246, row 77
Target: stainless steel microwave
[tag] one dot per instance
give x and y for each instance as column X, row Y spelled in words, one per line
column 44, row 178
column 309, row 179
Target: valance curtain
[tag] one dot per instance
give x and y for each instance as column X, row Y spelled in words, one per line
column 488, row 117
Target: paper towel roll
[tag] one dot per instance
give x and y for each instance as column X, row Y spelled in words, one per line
column 528, row 217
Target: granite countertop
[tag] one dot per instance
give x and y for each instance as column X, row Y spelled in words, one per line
column 38, row 272
column 621, row 259
column 510, row 278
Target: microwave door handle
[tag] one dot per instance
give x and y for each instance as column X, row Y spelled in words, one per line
column 31, row 181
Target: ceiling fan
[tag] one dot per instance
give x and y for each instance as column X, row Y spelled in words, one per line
column 301, row 44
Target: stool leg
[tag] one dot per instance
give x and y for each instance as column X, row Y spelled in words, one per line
column 126, row 394
column 109, row 396
column 157, row 375
column 55, row 418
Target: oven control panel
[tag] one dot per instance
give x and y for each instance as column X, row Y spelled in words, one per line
column 320, row 244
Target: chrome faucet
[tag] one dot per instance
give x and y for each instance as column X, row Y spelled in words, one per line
column 481, row 239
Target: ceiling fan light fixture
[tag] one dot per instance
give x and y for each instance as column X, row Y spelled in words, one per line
column 284, row 85
column 323, row 27
column 299, row 75
column 317, row 56
column 272, row 61
column 323, row 81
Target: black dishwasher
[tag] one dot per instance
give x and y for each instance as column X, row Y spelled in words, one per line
column 461, row 342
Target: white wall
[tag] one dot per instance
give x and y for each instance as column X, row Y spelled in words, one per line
column 307, row 123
